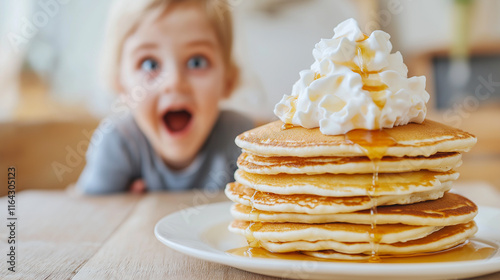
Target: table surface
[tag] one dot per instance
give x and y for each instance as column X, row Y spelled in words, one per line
column 63, row 235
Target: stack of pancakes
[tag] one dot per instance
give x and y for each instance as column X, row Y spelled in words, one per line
column 352, row 196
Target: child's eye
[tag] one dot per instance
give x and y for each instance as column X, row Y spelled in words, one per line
column 150, row 65
column 197, row 62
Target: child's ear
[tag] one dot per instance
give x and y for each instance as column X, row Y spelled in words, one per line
column 232, row 80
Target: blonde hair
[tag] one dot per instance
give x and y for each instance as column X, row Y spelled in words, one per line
column 125, row 16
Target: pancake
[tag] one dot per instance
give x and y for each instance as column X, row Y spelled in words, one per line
column 313, row 204
column 348, row 196
column 255, row 164
column 413, row 140
column 332, row 255
column 451, row 209
column 345, row 185
column 341, row 232
column 445, row 238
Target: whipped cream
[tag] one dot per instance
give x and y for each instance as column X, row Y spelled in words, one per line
column 354, row 83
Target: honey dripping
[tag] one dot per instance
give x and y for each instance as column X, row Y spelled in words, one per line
column 375, row 87
column 254, row 225
column 375, row 237
column 287, row 123
column 374, row 143
column 286, row 126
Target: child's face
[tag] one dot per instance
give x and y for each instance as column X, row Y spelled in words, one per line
column 174, row 73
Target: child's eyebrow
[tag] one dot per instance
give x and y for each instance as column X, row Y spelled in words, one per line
column 208, row 43
column 144, row 46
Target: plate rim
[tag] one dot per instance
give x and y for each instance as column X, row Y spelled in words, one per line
column 487, row 266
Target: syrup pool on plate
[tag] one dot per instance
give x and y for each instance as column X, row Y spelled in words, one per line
column 471, row 251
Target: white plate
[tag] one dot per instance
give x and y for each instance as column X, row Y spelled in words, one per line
column 202, row 232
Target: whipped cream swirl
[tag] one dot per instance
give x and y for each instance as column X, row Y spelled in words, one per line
column 354, row 83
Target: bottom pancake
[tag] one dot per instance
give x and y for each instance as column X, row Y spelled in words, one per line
column 445, row 238
column 333, row 255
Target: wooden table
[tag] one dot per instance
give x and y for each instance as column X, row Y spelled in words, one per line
column 62, row 235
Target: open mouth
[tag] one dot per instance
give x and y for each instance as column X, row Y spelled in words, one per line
column 177, row 121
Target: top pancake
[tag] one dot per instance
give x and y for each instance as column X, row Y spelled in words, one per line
column 412, row 139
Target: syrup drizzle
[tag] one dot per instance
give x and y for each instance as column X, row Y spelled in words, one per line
column 374, row 236
column 254, row 225
column 375, row 87
column 286, row 126
column 374, row 143
column 287, row 123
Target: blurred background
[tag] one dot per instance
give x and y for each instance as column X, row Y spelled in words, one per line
column 52, row 95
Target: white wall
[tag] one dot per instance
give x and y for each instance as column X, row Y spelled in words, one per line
column 274, row 41
column 11, row 58
column 428, row 24
column 274, row 45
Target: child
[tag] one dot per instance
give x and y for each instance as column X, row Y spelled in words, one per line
column 171, row 60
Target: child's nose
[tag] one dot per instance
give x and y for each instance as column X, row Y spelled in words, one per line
column 174, row 81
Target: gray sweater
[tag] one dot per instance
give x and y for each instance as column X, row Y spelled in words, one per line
column 121, row 153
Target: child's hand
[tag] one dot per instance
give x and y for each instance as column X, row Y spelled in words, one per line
column 138, row 186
